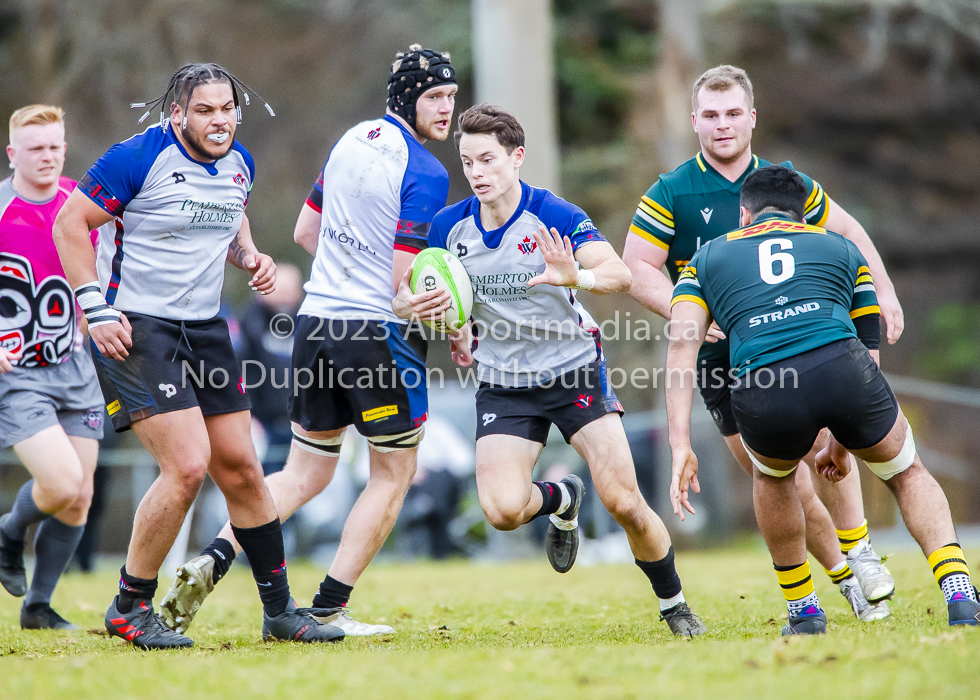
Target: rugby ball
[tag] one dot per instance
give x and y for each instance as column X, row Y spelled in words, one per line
column 437, row 268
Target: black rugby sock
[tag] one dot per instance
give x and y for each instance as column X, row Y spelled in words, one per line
column 24, row 513
column 223, row 553
column 266, row 554
column 132, row 588
column 663, row 576
column 332, row 594
column 54, row 546
column 550, row 498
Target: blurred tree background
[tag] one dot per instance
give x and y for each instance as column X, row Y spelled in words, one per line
column 878, row 100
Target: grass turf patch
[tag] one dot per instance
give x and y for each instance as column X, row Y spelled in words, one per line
column 472, row 630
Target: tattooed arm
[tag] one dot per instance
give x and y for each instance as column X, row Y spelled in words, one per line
column 243, row 254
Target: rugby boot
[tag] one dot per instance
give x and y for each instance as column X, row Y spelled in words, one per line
column 13, row 575
column 812, row 620
column 143, row 627
column 875, row 578
column 340, row 617
column 683, row 622
column 296, row 624
column 40, row 616
column 863, row 610
column 194, row 582
column 962, row 610
column 562, row 539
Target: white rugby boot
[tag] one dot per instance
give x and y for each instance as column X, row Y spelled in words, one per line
column 876, row 580
column 863, row 610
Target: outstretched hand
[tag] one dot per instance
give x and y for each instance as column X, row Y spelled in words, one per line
column 560, row 269
column 684, row 476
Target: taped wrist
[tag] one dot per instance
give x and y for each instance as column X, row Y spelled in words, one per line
column 586, row 280
column 97, row 311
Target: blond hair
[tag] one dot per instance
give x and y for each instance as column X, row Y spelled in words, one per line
column 35, row 115
column 721, row 78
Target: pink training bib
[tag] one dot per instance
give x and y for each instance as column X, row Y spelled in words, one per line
column 37, row 310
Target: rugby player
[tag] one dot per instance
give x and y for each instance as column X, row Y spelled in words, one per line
column 540, row 356
column 50, row 404
column 795, row 299
column 697, row 202
column 364, row 221
column 177, row 193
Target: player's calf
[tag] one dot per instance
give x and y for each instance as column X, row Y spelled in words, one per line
column 925, row 511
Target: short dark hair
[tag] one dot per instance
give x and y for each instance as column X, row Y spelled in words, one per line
column 487, row 119
column 774, row 187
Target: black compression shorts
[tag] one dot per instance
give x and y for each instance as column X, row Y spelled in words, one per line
column 780, row 408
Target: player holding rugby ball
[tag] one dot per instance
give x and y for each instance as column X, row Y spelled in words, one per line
column 540, row 359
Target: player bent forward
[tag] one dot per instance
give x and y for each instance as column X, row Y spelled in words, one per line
column 783, row 292
column 699, row 201
column 550, row 368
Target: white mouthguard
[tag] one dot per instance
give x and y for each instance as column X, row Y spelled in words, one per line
column 218, row 138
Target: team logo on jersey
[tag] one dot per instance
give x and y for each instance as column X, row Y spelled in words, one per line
column 527, row 246
column 239, row 179
column 781, row 300
column 461, row 250
column 583, row 401
column 489, row 418
column 374, row 133
column 706, row 213
column 178, row 178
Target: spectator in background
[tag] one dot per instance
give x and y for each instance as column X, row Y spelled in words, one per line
column 267, row 339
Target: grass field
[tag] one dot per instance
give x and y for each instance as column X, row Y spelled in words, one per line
column 515, row 630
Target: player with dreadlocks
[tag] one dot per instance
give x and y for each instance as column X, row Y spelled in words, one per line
column 177, row 193
column 365, row 220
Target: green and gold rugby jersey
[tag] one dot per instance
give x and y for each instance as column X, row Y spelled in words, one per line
column 694, row 204
column 779, row 288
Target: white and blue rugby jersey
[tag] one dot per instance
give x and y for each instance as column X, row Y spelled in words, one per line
column 376, row 194
column 175, row 218
column 525, row 335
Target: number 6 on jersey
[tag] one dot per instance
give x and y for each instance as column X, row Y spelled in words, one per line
column 768, row 260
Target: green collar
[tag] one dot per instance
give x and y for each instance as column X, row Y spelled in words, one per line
column 733, row 187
